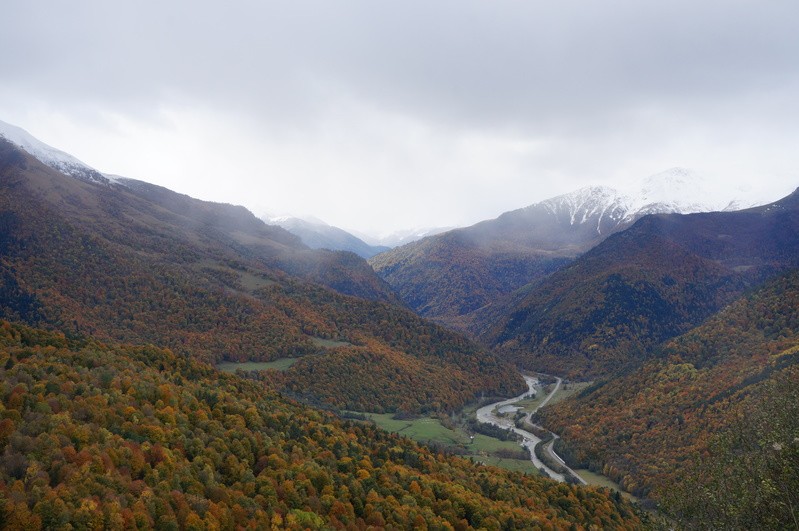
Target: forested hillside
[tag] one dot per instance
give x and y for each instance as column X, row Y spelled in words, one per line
column 459, row 278
column 450, row 276
column 103, row 436
column 654, row 281
column 139, row 263
column 749, row 477
column 645, row 429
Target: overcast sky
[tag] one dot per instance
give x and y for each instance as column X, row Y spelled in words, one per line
column 384, row 115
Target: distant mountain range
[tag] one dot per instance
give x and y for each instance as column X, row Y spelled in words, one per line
column 125, row 260
column 101, row 428
column 448, row 277
column 657, row 279
column 400, row 237
column 317, row 234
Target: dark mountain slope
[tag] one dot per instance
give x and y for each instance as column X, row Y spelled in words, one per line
column 449, row 276
column 98, row 436
column 142, row 264
column 660, row 278
column 464, row 277
column 746, row 482
column 454, row 276
column 644, row 428
column 239, row 229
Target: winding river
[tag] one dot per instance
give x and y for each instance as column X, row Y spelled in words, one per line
column 488, row 415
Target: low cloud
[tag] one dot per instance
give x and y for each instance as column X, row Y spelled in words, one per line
column 374, row 115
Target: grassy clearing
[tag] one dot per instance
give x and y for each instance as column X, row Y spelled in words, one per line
column 247, row 281
column 531, row 404
column 329, row 343
column 599, row 480
column 423, row 429
column 251, row 282
column 483, row 448
column 280, row 365
column 431, row 430
column 567, row 390
column 488, row 445
column 515, row 465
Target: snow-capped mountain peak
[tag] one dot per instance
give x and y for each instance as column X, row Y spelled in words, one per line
column 50, row 156
column 585, row 203
column 676, row 190
column 401, row 237
column 601, row 206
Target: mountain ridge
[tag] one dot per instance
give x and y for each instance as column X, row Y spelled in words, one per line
column 400, row 237
column 139, row 263
column 452, row 276
column 645, row 423
column 657, row 279
column 50, row 156
column 317, row 234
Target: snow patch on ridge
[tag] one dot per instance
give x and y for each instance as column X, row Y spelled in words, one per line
column 586, row 205
column 50, row 156
column 677, row 190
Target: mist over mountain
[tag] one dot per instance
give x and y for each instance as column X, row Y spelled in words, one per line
column 584, row 285
column 50, row 156
column 451, row 276
column 317, row 234
column 556, row 286
column 400, row 237
column 685, row 191
column 126, row 260
column 639, row 287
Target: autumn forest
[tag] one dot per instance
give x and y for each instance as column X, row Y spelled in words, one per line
column 676, row 339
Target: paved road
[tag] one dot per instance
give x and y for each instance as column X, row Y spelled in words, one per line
column 549, row 448
column 487, row 414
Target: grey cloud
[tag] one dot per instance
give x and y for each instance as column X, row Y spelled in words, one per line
column 531, row 65
column 372, row 98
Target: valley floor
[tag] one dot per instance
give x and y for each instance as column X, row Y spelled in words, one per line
column 456, row 435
